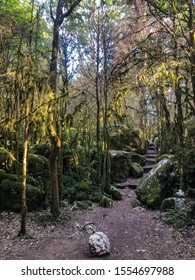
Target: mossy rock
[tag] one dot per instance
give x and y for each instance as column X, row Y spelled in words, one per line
column 84, row 205
column 35, row 198
column 140, row 159
column 173, row 203
column 10, row 196
column 161, row 182
column 95, row 196
column 38, row 166
column 167, row 204
column 105, row 202
column 42, row 149
column 80, row 196
column 7, row 160
column 115, row 193
column 136, row 170
column 120, row 161
column 128, row 140
column 161, row 157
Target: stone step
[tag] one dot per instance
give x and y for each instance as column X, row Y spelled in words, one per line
column 151, row 156
column 147, row 168
column 133, row 186
column 122, row 185
column 151, row 148
column 150, row 161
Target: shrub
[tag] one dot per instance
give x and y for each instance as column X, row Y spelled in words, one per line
column 38, row 166
column 7, row 160
column 10, row 196
column 42, row 149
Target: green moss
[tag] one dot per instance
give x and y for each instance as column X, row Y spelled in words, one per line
column 85, row 204
column 34, row 198
column 136, row 170
column 135, row 203
column 161, row 157
column 158, row 184
column 115, row 193
column 10, row 196
column 120, row 162
column 38, row 166
column 7, row 160
column 81, row 196
column 105, row 202
column 42, row 149
column 95, row 196
column 141, row 160
column 167, row 204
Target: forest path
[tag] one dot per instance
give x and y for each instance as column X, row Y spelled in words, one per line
column 134, row 233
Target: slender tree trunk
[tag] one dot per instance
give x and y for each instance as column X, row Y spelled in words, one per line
column 24, row 174
column 25, row 159
column 54, row 137
column 53, row 134
column 97, row 89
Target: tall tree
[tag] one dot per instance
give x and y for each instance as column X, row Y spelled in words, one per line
column 62, row 11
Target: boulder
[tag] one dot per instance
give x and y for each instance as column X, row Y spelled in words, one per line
column 89, row 228
column 161, row 157
column 136, row 170
column 161, row 182
column 172, row 203
column 128, row 140
column 38, row 166
column 99, row 244
column 141, row 160
column 115, row 193
column 120, row 162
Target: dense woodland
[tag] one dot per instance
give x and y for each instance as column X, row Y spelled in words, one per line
column 79, row 78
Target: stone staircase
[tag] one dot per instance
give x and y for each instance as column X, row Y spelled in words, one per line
column 150, row 155
column 150, row 158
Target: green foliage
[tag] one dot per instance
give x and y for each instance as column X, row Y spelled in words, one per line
column 186, row 158
column 161, row 157
column 128, row 140
column 38, row 166
column 141, row 160
column 79, row 191
column 7, row 160
column 84, row 205
column 114, row 193
column 179, row 218
column 10, row 196
column 105, row 202
column 42, row 149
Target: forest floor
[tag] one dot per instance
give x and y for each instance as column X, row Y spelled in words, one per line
column 134, row 233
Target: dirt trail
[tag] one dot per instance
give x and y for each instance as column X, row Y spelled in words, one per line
column 134, row 233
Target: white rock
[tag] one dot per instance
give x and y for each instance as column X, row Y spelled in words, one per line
column 180, row 194
column 99, row 244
